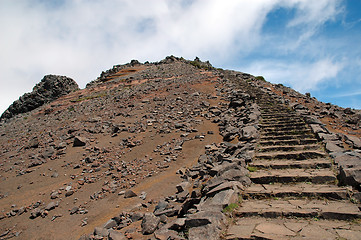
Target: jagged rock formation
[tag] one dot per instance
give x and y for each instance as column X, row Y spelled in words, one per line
column 48, row 89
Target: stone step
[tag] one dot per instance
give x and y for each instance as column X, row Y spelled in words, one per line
column 325, row 209
column 283, row 164
column 291, row 228
column 277, row 125
column 291, row 129
column 279, row 113
column 299, row 190
column 286, row 132
column 285, row 128
column 294, row 155
column 287, row 137
column 271, row 106
column 320, row 176
column 275, row 111
column 287, row 148
column 280, row 121
column 288, row 142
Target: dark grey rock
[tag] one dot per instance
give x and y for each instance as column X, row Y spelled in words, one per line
column 129, row 194
column 136, row 216
column 236, row 103
column 355, row 142
column 224, row 186
column 165, row 233
column 230, row 133
column 50, row 88
column 114, row 235
column 110, row 224
column 169, row 212
column 178, row 224
column 249, row 133
column 54, row 195
column 51, row 206
column 79, row 141
column 33, row 143
column 182, row 196
column 101, row 232
column 74, row 210
column 161, row 205
column 239, row 175
column 49, row 152
column 312, row 120
column 188, row 204
column 69, row 193
column 182, row 187
column 333, row 147
column 221, row 168
column 84, row 237
column 209, row 232
column 328, row 137
column 35, row 213
column 220, row 200
column 34, row 163
column 204, row 218
column 215, row 111
column 351, row 177
column 347, row 159
column 149, row 223
column 316, row 128
column 55, row 175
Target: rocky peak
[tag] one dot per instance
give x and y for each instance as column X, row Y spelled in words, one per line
column 48, row 89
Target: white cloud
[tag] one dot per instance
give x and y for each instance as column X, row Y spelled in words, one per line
column 81, row 38
column 300, row 76
column 314, row 13
column 309, row 17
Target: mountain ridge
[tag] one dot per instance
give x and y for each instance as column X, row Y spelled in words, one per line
column 161, row 149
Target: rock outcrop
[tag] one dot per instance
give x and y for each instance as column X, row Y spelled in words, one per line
column 50, row 88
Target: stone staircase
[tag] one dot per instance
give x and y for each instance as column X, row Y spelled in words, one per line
column 294, row 192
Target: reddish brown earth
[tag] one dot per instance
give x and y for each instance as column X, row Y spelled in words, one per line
column 154, row 176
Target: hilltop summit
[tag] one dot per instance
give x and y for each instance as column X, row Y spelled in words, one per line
column 178, row 149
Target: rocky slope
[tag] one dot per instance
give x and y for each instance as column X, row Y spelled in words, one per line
column 168, row 150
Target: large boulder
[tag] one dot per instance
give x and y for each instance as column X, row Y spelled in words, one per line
column 50, row 88
column 149, row 224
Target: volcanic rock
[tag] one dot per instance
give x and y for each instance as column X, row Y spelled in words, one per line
column 50, row 88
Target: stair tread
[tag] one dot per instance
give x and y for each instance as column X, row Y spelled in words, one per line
column 308, row 163
column 303, row 154
column 288, row 142
column 291, row 228
column 292, row 172
column 300, row 123
column 286, row 133
column 295, row 146
column 341, row 209
column 288, row 137
column 296, row 188
column 293, row 175
column 284, row 128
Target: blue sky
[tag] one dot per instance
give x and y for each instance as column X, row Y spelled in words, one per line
column 312, row 46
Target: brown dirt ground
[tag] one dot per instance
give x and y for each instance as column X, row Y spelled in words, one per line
column 38, row 184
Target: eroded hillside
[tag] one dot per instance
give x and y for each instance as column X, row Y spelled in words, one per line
column 155, row 150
